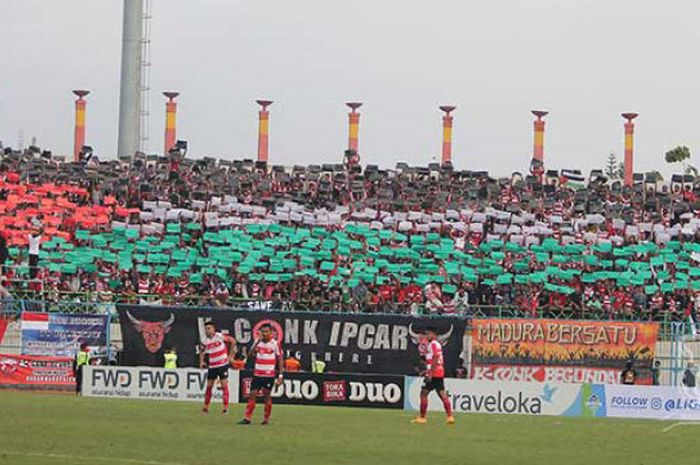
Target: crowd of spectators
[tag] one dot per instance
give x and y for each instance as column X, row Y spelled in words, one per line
column 344, row 238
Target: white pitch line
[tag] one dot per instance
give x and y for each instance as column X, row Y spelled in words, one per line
column 86, row 457
column 680, row 423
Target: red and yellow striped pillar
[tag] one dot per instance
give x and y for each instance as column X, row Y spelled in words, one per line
column 629, row 147
column 538, row 145
column 447, row 133
column 80, row 108
column 263, row 128
column 170, row 121
column 354, row 126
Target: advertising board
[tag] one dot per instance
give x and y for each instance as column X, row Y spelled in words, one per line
column 186, row 384
column 469, row 396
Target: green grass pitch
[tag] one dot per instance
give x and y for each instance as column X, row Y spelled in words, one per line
column 52, row 429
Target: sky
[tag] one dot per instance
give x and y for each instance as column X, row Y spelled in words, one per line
column 586, row 61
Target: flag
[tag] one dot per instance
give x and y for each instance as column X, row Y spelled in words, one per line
column 572, row 179
column 693, row 326
column 35, row 321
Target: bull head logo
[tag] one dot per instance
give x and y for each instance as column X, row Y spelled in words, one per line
column 422, row 342
column 153, row 332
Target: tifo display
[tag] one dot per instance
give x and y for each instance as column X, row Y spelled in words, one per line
column 343, row 238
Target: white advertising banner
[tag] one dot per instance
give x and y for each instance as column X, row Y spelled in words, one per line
column 185, row 384
column 471, row 396
column 657, row 402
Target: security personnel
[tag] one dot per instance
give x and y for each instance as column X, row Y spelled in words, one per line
column 82, row 358
column 629, row 374
column 170, row 358
column 318, row 366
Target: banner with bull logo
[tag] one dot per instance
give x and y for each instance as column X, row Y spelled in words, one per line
column 60, row 334
column 506, row 349
column 350, row 343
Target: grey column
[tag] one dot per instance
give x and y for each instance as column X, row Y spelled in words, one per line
column 130, row 87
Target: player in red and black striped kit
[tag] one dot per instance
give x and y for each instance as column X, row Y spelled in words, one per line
column 434, row 379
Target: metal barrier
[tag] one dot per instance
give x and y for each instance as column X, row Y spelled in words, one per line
column 684, row 350
column 477, row 310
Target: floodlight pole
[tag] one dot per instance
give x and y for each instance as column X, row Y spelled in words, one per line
column 170, row 121
column 629, row 147
column 129, row 139
column 447, row 133
column 79, row 139
column 263, row 128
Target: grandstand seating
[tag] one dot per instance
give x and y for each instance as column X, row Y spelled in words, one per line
column 352, row 239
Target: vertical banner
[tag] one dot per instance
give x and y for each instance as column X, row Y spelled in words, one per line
column 60, row 334
column 549, row 350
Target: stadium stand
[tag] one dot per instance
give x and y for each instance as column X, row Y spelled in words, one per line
column 342, row 238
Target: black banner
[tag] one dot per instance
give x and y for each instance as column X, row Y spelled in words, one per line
column 347, row 343
column 343, row 390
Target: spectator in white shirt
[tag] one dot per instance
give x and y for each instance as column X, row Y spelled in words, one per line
column 34, row 244
column 461, row 300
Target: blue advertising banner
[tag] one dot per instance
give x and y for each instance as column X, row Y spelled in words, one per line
column 60, row 334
